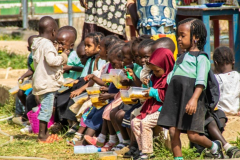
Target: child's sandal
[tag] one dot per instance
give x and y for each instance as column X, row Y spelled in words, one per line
column 233, row 152
column 48, row 140
column 77, row 137
column 122, row 151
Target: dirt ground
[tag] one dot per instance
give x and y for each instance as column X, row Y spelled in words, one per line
column 18, row 47
column 232, row 131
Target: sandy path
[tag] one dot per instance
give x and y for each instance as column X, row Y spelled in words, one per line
column 18, row 47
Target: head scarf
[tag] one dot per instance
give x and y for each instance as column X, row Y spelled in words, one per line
column 164, row 59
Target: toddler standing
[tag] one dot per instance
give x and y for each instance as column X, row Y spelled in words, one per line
column 48, row 75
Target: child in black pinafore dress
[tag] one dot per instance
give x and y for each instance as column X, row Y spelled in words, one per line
column 184, row 108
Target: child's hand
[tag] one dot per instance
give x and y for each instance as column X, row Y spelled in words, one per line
column 191, row 106
column 146, row 81
column 126, row 82
column 75, row 93
column 65, row 58
column 66, row 68
column 129, row 70
column 146, row 93
column 104, row 96
column 88, row 77
column 134, row 99
column 104, row 89
column 67, row 51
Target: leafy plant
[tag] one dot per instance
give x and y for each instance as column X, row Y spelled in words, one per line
column 160, row 150
column 12, row 60
column 190, row 153
column 237, row 142
column 8, row 108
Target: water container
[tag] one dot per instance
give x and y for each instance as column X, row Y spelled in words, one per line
column 89, row 149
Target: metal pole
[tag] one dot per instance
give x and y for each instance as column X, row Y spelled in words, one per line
column 25, row 14
column 70, row 23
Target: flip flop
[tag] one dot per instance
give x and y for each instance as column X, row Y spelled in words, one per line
column 55, row 137
column 48, row 140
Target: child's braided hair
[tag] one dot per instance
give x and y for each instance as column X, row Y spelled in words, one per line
column 96, row 36
column 198, row 29
column 138, row 40
column 116, row 51
column 147, row 43
column 223, row 55
column 110, row 41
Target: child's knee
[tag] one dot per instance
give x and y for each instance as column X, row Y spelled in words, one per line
column 119, row 116
column 192, row 137
column 172, row 133
column 20, row 93
column 113, row 114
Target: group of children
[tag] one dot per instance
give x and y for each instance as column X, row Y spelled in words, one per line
column 175, row 94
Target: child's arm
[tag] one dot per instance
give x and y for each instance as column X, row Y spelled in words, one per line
column 106, row 96
column 145, row 72
column 73, row 68
column 55, row 60
column 27, row 74
column 136, row 81
column 152, row 92
column 95, row 79
column 202, row 69
column 191, row 106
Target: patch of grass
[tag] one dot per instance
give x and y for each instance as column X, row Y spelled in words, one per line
column 8, row 108
column 237, row 142
column 7, row 37
column 12, row 60
column 162, row 152
column 25, row 144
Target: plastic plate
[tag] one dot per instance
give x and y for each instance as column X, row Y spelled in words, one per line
column 214, row 4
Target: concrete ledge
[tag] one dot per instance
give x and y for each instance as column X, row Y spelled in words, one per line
column 12, row 73
column 5, row 85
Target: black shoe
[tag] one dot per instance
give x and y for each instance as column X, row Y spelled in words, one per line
column 218, row 155
column 130, row 153
column 233, row 152
column 137, row 154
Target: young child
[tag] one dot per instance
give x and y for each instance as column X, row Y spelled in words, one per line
column 48, row 76
column 223, row 61
column 145, row 50
column 229, row 81
column 20, row 114
column 63, row 100
column 81, row 53
column 163, row 42
column 66, row 38
column 105, row 45
column 184, row 107
column 161, row 63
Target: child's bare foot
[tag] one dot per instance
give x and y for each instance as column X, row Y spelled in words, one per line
column 51, row 138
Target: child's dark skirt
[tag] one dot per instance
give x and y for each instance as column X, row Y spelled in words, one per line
column 173, row 113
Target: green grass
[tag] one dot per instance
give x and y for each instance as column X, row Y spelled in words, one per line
column 6, row 37
column 12, row 60
column 26, row 145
